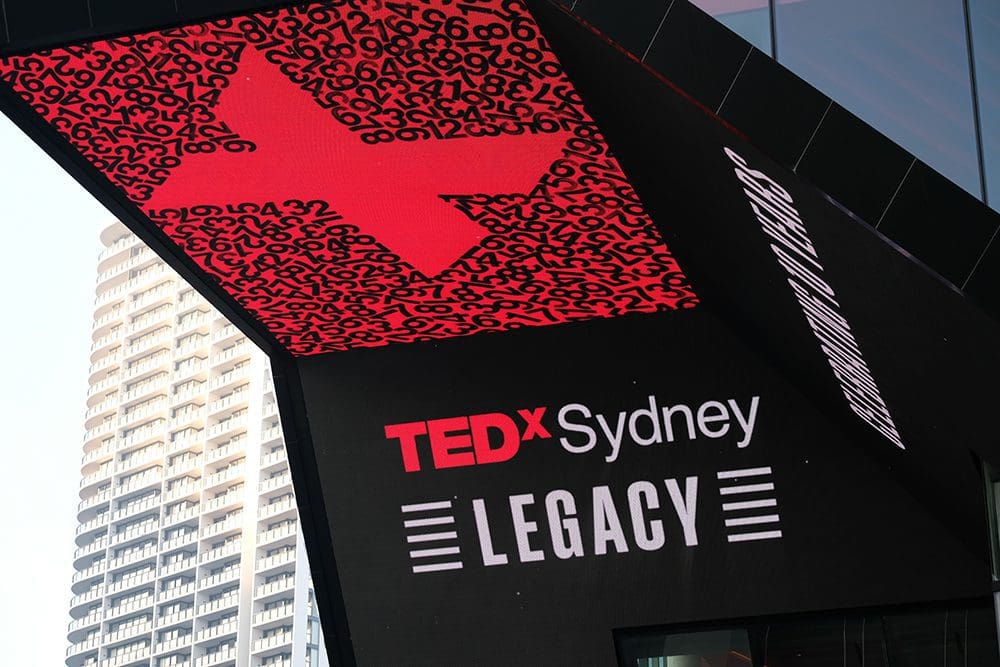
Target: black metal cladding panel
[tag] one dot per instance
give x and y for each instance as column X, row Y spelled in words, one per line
column 939, row 223
column 629, row 23
column 697, row 53
column 121, row 15
column 30, row 20
column 984, row 284
column 776, row 109
column 3, row 27
column 854, row 164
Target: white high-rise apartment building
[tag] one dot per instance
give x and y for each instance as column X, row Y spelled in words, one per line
column 189, row 552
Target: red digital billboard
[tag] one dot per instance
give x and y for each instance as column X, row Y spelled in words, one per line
column 363, row 174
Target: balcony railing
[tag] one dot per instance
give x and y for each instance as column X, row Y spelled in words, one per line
column 132, row 557
column 277, row 586
column 227, row 575
column 223, row 476
column 220, row 630
column 273, row 641
column 215, row 529
column 176, row 617
column 225, row 602
column 93, row 501
column 129, row 632
column 179, row 566
column 136, row 507
column 88, row 549
column 84, row 646
column 127, row 658
column 273, row 509
column 227, row 550
column 277, row 560
column 133, row 581
column 225, row 499
column 274, row 613
column 176, row 592
column 182, row 490
column 276, row 482
column 88, row 620
column 216, row 658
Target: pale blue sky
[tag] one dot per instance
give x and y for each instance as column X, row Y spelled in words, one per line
column 50, row 229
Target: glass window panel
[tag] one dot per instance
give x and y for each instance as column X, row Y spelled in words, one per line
column 984, row 15
column 900, row 65
column 750, row 19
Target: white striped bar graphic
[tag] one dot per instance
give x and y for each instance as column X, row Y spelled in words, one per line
column 430, row 553
column 751, row 520
column 746, row 472
column 433, row 521
column 426, row 507
column 750, row 537
column 749, row 504
column 432, row 537
column 746, row 488
column 437, row 567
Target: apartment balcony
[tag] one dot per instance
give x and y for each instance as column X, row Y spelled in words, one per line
column 227, row 427
column 155, row 384
column 129, row 658
column 130, row 632
column 142, row 435
column 232, row 524
column 229, row 402
column 226, row 499
column 222, row 552
column 188, row 394
column 138, row 604
column 84, row 646
column 180, row 541
column 103, row 342
column 270, row 434
column 101, row 387
column 101, row 431
column 164, row 339
column 226, row 333
column 218, row 632
column 107, row 319
column 272, row 458
column 134, row 415
column 279, row 613
column 230, row 378
column 96, row 455
column 148, row 321
column 276, row 561
column 230, row 601
column 169, row 645
column 277, row 482
column 144, row 529
column 237, row 351
column 96, row 570
column 102, row 476
column 217, row 658
column 185, row 466
column 175, row 618
column 229, row 575
column 191, row 369
column 284, row 662
column 199, row 322
column 134, row 508
column 271, row 537
column 176, row 592
column 142, row 481
column 160, row 361
column 86, row 622
column 276, row 640
column 177, row 516
column 117, row 269
column 132, row 557
column 97, row 545
column 134, row 461
column 198, row 344
column 276, row 587
column 184, row 490
column 186, row 442
column 118, row 246
column 192, row 417
column 102, row 409
column 151, row 297
column 116, row 293
column 90, row 502
column 269, row 410
column 129, row 583
column 226, row 476
column 274, row 509
column 98, row 522
column 112, row 359
column 90, row 596
column 177, row 567
column 232, row 448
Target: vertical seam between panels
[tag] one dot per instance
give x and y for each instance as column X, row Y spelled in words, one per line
column 657, row 33
column 6, row 21
column 896, row 193
column 735, row 79
column 974, row 90
column 975, row 266
column 812, row 136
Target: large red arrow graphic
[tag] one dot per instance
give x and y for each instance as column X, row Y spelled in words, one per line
column 391, row 191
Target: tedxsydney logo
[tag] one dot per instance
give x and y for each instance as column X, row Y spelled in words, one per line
column 645, row 515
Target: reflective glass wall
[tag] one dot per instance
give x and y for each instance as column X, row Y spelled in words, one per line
column 925, row 73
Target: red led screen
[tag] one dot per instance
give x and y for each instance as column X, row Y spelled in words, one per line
column 355, row 176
